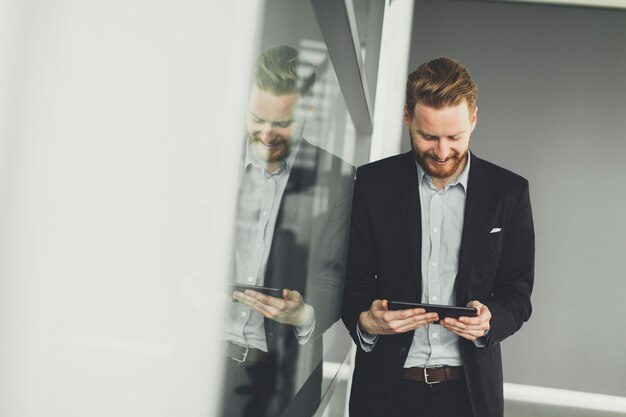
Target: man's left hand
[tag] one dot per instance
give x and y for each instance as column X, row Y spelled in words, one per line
column 470, row 328
column 291, row 309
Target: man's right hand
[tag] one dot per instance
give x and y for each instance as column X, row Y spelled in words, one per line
column 380, row 320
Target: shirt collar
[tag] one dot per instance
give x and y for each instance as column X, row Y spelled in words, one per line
column 461, row 179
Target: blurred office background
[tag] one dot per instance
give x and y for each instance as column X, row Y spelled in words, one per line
column 122, row 131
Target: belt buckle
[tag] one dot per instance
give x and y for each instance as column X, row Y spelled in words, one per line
column 426, row 368
column 244, row 354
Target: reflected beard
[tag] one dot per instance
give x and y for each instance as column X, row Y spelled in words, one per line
column 278, row 151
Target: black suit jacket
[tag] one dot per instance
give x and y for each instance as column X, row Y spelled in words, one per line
column 308, row 254
column 384, row 262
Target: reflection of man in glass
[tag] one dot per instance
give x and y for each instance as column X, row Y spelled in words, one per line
column 291, row 235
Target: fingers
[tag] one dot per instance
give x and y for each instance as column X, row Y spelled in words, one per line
column 470, row 328
column 403, row 321
column 268, row 306
column 280, row 309
column 414, row 322
column 379, row 320
column 467, row 331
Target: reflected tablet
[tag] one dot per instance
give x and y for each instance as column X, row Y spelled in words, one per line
column 442, row 311
column 274, row 292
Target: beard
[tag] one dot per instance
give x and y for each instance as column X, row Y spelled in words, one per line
column 427, row 162
column 277, row 150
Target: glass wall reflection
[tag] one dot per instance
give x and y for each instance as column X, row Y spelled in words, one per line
column 290, row 246
column 293, row 211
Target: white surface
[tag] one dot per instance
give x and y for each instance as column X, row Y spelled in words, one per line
column 120, row 139
column 565, row 398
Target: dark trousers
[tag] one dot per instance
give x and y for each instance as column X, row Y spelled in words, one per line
column 259, row 390
column 250, row 390
column 418, row 399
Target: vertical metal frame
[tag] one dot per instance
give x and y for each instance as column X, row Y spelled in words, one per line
column 337, row 22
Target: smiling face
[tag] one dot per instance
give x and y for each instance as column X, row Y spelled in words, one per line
column 271, row 125
column 440, row 139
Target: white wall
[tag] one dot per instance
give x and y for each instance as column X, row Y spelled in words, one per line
column 551, row 106
column 118, row 182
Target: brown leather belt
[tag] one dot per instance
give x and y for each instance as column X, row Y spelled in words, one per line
column 241, row 353
column 433, row 374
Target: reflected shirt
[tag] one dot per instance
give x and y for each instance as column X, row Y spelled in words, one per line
column 257, row 210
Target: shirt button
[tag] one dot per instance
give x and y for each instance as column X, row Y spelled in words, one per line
column 434, row 335
column 264, row 213
column 250, row 279
column 433, row 263
column 435, row 298
column 244, row 314
column 435, row 230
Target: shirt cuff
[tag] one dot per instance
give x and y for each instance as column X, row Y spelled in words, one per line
column 303, row 334
column 480, row 342
column 368, row 341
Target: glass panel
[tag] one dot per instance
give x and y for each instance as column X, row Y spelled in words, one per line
column 284, row 340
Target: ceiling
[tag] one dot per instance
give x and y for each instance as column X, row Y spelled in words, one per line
column 619, row 4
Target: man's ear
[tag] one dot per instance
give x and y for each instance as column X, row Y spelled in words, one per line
column 407, row 117
column 474, row 118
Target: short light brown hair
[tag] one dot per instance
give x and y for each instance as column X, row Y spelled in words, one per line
column 442, row 82
column 278, row 70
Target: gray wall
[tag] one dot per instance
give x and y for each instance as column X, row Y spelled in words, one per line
column 552, row 107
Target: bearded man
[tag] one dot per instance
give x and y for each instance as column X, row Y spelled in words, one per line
column 292, row 229
column 436, row 225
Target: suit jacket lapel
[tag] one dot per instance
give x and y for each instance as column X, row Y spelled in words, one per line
column 412, row 219
column 300, row 178
column 477, row 194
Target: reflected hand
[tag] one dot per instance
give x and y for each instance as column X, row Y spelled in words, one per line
column 470, row 328
column 380, row 320
column 291, row 309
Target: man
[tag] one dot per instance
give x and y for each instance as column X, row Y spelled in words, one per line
column 436, row 225
column 292, row 228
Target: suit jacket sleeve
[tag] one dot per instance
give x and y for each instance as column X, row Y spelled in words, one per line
column 328, row 256
column 360, row 283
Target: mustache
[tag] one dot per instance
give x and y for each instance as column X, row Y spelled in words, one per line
column 453, row 156
column 273, row 142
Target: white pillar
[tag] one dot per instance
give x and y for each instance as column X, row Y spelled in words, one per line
column 392, row 74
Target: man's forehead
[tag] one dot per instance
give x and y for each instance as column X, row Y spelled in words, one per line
column 421, row 107
column 269, row 104
column 270, row 95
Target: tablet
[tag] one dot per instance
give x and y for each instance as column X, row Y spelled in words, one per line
column 274, row 292
column 441, row 310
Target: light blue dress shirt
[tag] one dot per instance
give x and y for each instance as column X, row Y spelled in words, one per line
column 442, row 214
column 257, row 210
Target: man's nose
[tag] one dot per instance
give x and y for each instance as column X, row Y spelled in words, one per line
column 266, row 133
column 442, row 151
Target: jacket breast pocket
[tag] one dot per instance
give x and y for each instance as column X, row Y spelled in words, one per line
column 488, row 252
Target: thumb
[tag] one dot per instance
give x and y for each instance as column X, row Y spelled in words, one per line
column 379, row 305
column 292, row 295
column 475, row 304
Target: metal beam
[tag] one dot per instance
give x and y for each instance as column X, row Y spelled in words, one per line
column 338, row 25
